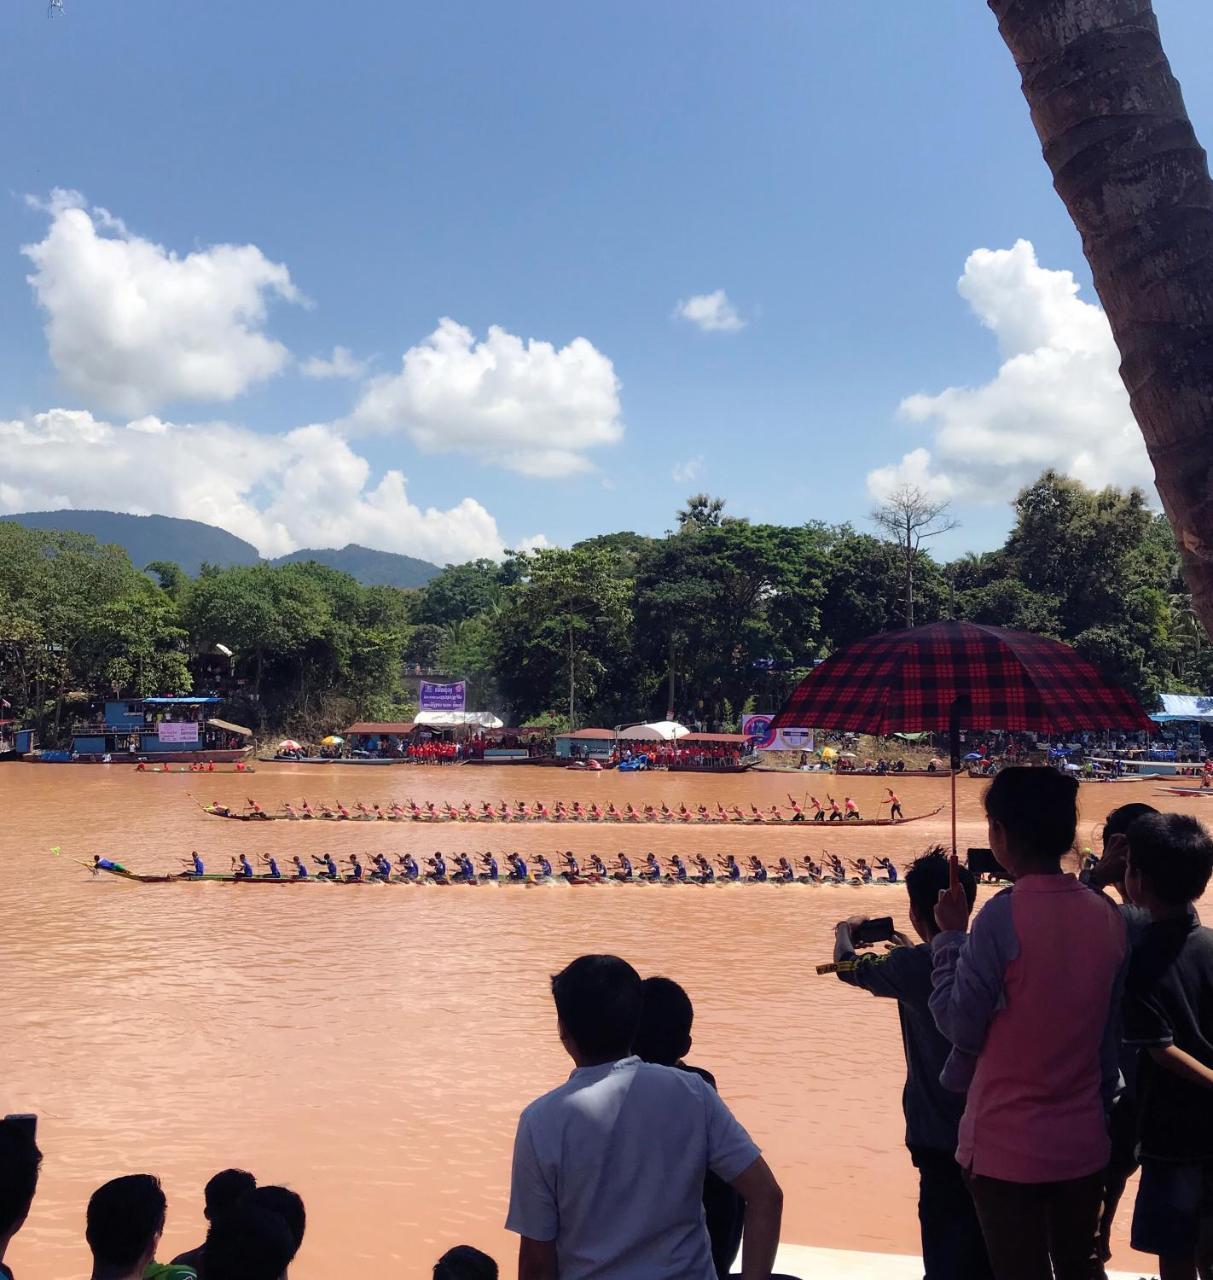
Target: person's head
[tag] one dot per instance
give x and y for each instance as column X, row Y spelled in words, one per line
column 227, row 1188
column 20, row 1161
column 465, row 1263
column 123, row 1225
column 1170, row 861
column 288, row 1205
column 1032, row 815
column 250, row 1242
column 598, row 1001
column 925, row 877
column 666, row 1014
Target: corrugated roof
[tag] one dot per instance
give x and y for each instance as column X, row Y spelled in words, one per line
column 231, row 728
column 589, row 733
column 381, row 726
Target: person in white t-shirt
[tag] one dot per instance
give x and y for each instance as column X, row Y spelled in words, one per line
column 608, row 1169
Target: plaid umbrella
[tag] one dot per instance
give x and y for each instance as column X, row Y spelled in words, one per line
column 941, row 676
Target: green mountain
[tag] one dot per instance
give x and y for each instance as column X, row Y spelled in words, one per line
column 190, row 543
column 146, row 538
column 371, row 568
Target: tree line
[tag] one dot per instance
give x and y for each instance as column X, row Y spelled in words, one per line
column 720, row 615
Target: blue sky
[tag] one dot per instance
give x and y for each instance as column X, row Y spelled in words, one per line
column 560, row 172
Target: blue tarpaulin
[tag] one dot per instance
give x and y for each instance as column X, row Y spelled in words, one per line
column 1185, row 706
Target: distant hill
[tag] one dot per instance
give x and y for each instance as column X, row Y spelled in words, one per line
column 146, row 538
column 371, row 568
column 190, row 543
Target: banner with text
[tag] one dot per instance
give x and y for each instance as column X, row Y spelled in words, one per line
column 758, row 730
column 444, row 697
column 177, row 731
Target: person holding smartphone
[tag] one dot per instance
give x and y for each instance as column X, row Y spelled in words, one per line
column 952, row 1244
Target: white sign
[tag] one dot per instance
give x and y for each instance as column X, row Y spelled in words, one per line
column 178, row 731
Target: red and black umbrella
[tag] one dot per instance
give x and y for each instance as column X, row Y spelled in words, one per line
column 953, row 675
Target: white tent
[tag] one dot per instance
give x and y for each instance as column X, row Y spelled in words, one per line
column 659, row 730
column 458, row 720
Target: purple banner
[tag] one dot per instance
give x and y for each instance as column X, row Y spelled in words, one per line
column 443, row 697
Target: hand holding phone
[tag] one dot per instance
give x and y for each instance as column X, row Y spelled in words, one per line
column 878, row 929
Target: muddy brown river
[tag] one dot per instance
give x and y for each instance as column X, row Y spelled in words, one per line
column 372, row 1046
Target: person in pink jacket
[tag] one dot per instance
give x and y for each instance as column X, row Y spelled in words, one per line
column 1030, row 998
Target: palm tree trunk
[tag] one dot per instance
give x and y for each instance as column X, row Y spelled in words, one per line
column 1126, row 163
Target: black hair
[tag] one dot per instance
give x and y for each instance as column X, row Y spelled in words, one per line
column 1118, row 822
column 465, row 1263
column 927, row 875
column 666, row 1014
column 250, row 1242
column 227, row 1188
column 1038, row 806
column 20, row 1161
column 288, row 1205
column 1174, row 854
column 124, row 1218
column 598, row 1002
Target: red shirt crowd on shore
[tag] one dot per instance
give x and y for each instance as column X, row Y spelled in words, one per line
column 434, row 752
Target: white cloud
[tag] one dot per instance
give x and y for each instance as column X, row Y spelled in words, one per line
column 1056, row 401
column 341, row 364
column 689, row 471
column 131, row 325
column 913, row 471
column 304, row 488
column 523, row 405
column 711, row 312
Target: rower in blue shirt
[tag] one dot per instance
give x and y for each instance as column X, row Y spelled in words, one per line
column 408, row 867
column 355, row 869
column 107, row 864
column 518, row 868
column 758, row 871
column 784, row 873
column 383, row 868
column 301, row 872
column 194, row 863
column 624, row 871
column 651, row 870
column 678, row 869
column 330, row 867
column 707, row 874
column 571, row 870
column 490, row 867
column 598, row 867
column 545, row 868
column 886, row 865
column 731, row 870
column 272, row 863
column 245, row 869
column 437, row 865
column 465, row 871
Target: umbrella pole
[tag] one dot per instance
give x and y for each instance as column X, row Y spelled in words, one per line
column 958, row 705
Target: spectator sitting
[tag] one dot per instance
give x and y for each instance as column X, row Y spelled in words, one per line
column 288, row 1205
column 609, row 1168
column 249, row 1242
column 124, row 1223
column 1030, row 1001
column 20, row 1161
column 1169, row 1014
column 952, row 1244
column 664, row 1037
column 465, row 1263
column 226, row 1189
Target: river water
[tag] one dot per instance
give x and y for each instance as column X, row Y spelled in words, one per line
column 372, row 1047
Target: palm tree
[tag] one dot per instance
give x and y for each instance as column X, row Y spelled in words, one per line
column 1126, row 163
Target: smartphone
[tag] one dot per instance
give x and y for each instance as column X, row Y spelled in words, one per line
column 879, row 929
column 27, row 1122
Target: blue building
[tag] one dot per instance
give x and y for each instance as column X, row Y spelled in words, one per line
column 163, row 729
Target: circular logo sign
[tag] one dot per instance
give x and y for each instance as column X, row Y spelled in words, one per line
column 758, row 729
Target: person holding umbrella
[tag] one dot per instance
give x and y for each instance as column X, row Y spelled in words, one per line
column 1030, row 998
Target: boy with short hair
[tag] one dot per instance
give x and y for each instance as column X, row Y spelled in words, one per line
column 1169, row 1016
column 608, row 1169
column 664, row 1037
column 124, row 1223
column 952, row 1243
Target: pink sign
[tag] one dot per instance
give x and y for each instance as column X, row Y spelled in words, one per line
column 178, row 731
